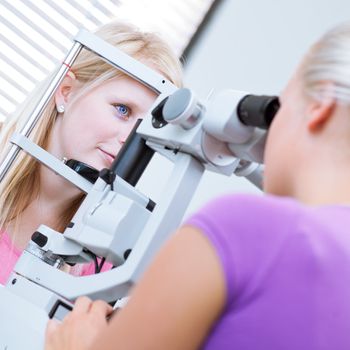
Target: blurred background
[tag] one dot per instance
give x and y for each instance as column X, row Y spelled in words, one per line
column 249, row 45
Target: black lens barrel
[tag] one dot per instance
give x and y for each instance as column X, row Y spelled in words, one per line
column 258, row 111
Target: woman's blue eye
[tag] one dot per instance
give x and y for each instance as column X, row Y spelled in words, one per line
column 123, row 111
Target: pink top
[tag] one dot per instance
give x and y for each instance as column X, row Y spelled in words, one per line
column 9, row 255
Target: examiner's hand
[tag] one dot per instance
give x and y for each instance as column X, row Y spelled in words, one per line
column 79, row 328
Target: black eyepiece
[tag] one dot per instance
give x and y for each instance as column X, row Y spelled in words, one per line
column 258, row 111
column 133, row 158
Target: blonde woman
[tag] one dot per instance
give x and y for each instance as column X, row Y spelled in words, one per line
column 88, row 119
column 251, row 272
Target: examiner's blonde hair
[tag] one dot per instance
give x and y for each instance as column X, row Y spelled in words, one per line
column 21, row 185
column 326, row 68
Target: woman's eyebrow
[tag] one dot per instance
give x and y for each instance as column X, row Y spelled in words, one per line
column 125, row 101
column 132, row 103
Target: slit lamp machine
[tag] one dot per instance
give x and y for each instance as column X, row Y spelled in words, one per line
column 116, row 222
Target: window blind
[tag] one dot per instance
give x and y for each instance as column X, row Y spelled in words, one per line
column 36, row 34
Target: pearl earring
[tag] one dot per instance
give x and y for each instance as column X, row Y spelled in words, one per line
column 60, row 108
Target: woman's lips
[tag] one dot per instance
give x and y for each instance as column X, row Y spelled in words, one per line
column 107, row 156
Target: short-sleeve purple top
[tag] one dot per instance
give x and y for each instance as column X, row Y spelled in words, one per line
column 287, row 271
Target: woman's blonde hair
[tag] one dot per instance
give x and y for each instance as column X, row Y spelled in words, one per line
column 328, row 61
column 21, row 185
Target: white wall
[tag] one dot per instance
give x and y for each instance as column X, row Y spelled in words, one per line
column 252, row 45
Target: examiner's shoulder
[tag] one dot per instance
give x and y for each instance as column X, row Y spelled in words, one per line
column 248, row 210
column 248, row 232
column 257, row 203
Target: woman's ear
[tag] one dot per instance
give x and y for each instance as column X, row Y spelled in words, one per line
column 320, row 112
column 65, row 89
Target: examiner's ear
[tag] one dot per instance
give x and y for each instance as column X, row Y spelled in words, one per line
column 65, row 89
column 319, row 113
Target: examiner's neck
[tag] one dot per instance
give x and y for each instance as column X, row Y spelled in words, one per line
column 330, row 186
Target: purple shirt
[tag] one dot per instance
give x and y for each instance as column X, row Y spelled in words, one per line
column 287, row 271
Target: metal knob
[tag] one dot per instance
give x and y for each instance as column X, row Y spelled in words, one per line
column 182, row 108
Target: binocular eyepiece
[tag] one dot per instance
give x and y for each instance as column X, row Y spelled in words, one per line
column 182, row 108
column 258, row 111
